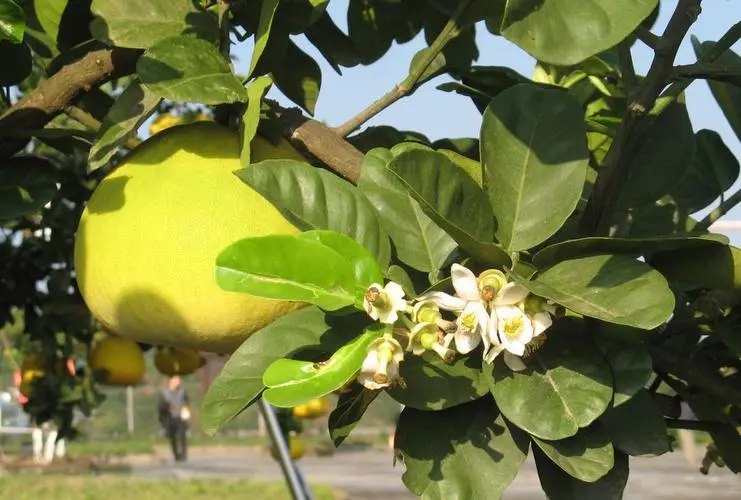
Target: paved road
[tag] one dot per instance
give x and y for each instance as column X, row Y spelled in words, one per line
column 369, row 475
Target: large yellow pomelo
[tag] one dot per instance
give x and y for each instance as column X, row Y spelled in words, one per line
column 147, row 242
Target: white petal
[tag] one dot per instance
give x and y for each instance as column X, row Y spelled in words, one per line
column 541, row 322
column 511, row 294
column 370, row 363
column 514, row 346
column 492, row 353
column 388, row 317
column 514, row 362
column 466, row 340
column 464, row 282
column 366, row 380
column 444, row 301
column 394, row 291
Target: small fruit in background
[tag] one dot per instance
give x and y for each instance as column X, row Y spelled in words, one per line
column 318, row 407
column 117, row 361
column 173, row 361
column 296, row 446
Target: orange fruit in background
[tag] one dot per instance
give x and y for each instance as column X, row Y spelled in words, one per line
column 121, row 359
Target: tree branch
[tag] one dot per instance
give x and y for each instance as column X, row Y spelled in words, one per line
column 615, row 169
column 692, row 425
column 706, row 71
column 649, row 39
column 719, row 211
column 449, row 31
column 224, row 26
column 52, row 96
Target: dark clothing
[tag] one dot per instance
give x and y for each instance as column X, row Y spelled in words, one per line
column 169, row 408
column 176, row 432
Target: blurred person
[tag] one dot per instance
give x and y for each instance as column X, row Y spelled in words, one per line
column 174, row 414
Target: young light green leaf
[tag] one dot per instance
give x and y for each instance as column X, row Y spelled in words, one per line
column 251, row 117
column 291, row 382
column 299, row 77
column 12, row 21
column 142, row 23
column 287, row 267
column 313, row 198
column 713, row 267
column 185, row 68
column 49, row 13
column 419, row 242
column 559, row 485
column 534, row 156
column 365, row 268
column 586, row 456
column 239, row 383
column 638, row 427
column 466, row 438
column 26, row 185
column 131, row 109
column 638, row 246
column 264, row 25
column 613, row 288
column 440, row 188
column 433, row 384
column 564, row 32
column 351, row 406
column 566, row 386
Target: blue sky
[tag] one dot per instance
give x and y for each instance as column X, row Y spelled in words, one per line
column 439, row 114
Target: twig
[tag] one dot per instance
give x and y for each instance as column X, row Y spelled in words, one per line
column 616, row 166
column 626, row 66
column 651, row 40
column 706, row 71
column 225, row 27
column 719, row 211
column 692, row 425
column 89, row 121
column 449, row 31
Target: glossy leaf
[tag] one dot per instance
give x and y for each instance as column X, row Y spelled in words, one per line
column 265, row 24
column 185, row 68
column 566, row 385
column 629, row 360
column 239, row 383
column 419, row 242
column 432, row 384
column 131, row 109
column 291, row 382
column 613, row 288
column 142, row 23
column 468, row 440
column 638, row 427
column 351, row 406
column 288, row 268
column 587, row 456
column 49, row 14
column 564, row 32
column 26, row 185
column 559, row 485
column 534, row 157
column 440, row 188
column 570, row 249
column 483, row 83
column 12, row 21
column 251, row 117
column 713, row 267
column 332, row 42
column 317, row 199
column 299, row 77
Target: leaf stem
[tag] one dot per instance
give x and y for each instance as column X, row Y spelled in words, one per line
column 449, row 31
column 720, row 211
column 224, row 26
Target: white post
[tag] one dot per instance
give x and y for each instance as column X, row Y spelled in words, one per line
column 130, row 408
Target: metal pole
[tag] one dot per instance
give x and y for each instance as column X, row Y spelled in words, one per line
column 299, row 491
column 130, row 408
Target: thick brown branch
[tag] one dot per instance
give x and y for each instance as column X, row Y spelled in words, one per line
column 52, row 96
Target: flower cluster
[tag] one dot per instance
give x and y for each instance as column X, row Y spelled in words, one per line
column 488, row 309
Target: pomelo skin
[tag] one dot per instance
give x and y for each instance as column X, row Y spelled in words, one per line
column 147, row 242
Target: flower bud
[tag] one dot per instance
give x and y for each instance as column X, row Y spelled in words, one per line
column 426, row 312
column 490, row 282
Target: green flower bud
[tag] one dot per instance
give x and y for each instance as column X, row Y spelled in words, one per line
column 490, row 282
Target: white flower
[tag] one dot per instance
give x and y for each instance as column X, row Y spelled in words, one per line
column 381, row 365
column 513, row 362
column 471, row 327
column 514, row 327
column 384, row 303
column 541, row 322
column 492, row 346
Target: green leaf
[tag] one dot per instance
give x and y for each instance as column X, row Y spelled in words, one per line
column 288, row 268
column 638, row 427
column 712, row 171
column 587, row 456
column 419, row 242
column 629, row 360
column 185, row 68
column 19, row 53
column 469, row 451
column 333, row 43
column 49, row 13
column 432, row 384
column 12, row 21
column 727, row 95
column 564, row 32
column 291, row 382
column 265, row 24
column 313, row 198
column 613, row 288
column 365, row 268
column 638, row 246
column 534, row 155
column 26, row 185
column 299, row 77
column 483, row 83
column 251, row 117
column 435, row 68
column 566, row 385
column 471, row 167
column 713, row 267
column 441, row 188
column 66, row 22
column 142, row 23
column 131, row 109
column 351, row 406
column 559, row 485
column 239, row 383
